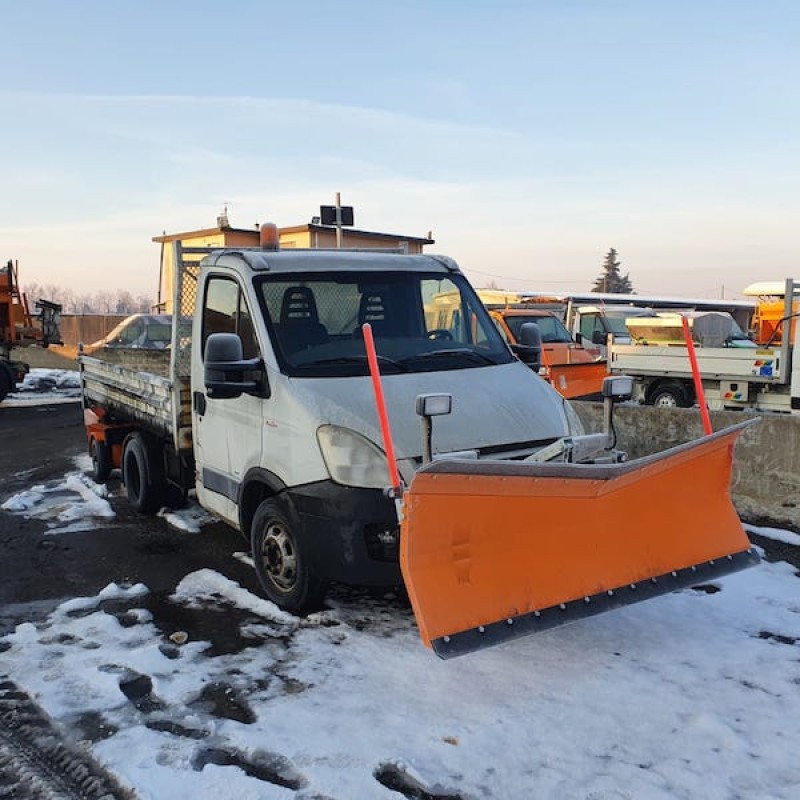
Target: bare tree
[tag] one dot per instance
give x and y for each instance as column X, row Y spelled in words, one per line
column 104, row 302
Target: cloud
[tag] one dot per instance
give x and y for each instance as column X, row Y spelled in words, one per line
column 90, row 179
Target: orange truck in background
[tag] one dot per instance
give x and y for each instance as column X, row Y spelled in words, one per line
column 574, row 371
column 18, row 329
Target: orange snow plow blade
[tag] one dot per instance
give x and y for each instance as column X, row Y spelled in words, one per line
column 492, row 550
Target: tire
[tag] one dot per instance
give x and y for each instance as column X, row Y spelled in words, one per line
column 142, row 475
column 670, row 394
column 281, row 564
column 7, row 382
column 101, row 460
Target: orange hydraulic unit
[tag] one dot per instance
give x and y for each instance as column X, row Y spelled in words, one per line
column 105, row 441
column 491, row 551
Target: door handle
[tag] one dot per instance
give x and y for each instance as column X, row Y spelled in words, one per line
column 199, row 403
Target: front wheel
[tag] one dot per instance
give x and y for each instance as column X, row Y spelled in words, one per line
column 281, row 565
column 670, row 394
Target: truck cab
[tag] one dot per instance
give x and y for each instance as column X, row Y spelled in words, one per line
column 593, row 324
column 287, row 442
column 575, row 370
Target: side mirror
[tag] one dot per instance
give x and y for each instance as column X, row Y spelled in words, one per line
column 225, row 369
column 599, row 337
column 529, row 349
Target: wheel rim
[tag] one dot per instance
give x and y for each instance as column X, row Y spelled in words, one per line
column 666, row 401
column 278, row 557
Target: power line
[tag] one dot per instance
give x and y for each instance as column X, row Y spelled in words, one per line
column 509, row 278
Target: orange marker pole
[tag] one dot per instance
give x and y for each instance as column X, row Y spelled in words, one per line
column 698, row 383
column 383, row 417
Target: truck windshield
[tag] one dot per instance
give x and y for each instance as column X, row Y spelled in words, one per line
column 552, row 329
column 615, row 318
column 421, row 322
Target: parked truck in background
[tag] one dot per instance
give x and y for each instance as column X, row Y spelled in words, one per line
column 591, row 317
column 575, row 370
column 737, row 372
column 293, row 428
column 19, row 328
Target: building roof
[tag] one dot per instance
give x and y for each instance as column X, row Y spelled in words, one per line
column 309, row 227
column 175, row 237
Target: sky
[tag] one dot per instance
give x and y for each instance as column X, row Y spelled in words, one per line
column 528, row 137
column 690, row 695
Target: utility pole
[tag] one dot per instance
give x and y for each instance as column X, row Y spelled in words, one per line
column 338, row 220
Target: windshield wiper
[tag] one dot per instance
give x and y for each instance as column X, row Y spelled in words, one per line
column 382, row 360
column 452, row 352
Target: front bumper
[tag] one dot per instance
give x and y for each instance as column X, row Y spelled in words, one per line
column 351, row 535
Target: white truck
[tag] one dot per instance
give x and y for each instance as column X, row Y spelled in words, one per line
column 736, row 372
column 267, row 410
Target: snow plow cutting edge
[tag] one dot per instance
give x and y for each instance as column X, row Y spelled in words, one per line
column 491, row 551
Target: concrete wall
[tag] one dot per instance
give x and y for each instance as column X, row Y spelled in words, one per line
column 766, row 473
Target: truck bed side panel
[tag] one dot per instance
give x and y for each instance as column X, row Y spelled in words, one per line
column 731, row 363
column 133, row 386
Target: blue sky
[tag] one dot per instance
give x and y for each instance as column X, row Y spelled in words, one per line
column 529, row 137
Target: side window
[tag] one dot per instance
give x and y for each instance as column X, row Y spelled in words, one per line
column 246, row 330
column 588, row 325
column 225, row 311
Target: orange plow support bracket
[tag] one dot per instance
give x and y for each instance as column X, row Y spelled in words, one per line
column 492, row 550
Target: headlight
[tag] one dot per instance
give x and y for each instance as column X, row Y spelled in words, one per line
column 352, row 459
column 574, row 424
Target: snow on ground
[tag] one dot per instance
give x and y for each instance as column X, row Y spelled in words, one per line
column 76, row 503
column 777, row 534
column 46, row 386
column 692, row 695
column 189, row 519
column 72, row 504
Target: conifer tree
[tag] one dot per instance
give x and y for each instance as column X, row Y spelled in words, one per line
column 611, row 279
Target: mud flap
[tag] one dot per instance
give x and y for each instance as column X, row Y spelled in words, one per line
column 491, row 551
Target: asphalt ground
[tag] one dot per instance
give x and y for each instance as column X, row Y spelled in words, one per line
column 39, row 570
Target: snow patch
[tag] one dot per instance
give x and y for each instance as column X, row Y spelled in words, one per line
column 70, row 505
column 190, row 519
column 43, row 386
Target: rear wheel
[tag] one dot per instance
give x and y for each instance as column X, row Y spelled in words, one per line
column 281, row 565
column 142, row 475
column 101, row 460
column 7, row 382
column 670, row 394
